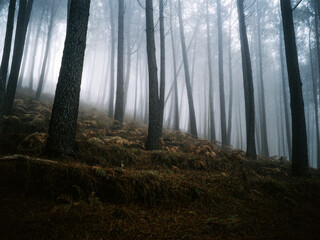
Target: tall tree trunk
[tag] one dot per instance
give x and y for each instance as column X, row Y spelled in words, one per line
column 230, row 81
column 128, row 62
column 118, row 116
column 285, row 96
column 6, row 57
column 21, row 30
column 248, row 83
column 175, row 77
column 113, row 54
column 263, row 118
column 193, row 123
column 299, row 134
column 152, row 142
column 45, row 59
column 63, row 123
column 221, row 79
column 35, row 50
column 162, row 66
column 25, row 57
column 315, row 99
column 211, row 89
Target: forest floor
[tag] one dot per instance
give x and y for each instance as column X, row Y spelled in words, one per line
column 114, row 189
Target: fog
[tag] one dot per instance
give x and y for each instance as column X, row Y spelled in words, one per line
column 98, row 86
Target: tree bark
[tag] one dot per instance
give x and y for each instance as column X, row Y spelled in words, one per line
column 230, row 82
column 6, row 57
column 248, row 83
column 152, row 142
column 63, row 123
column 299, row 134
column 21, row 30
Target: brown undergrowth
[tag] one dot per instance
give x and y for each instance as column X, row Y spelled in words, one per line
column 114, row 189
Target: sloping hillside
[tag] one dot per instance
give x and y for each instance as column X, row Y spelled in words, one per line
column 114, row 189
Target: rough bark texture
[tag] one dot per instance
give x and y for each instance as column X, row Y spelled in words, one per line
column 63, row 123
column 21, row 30
column 118, row 116
column 248, row 83
column 5, row 57
column 299, row 134
column 224, row 140
column 263, row 118
column 193, row 124
column 152, row 142
column 211, row 90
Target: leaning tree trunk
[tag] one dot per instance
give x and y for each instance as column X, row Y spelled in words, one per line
column 21, row 30
column 299, row 134
column 118, row 116
column 193, row 123
column 63, row 123
column 221, row 79
column 6, row 57
column 248, row 83
column 211, row 90
column 152, row 142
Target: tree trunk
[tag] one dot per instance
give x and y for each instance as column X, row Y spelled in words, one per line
column 6, row 57
column 113, row 53
column 211, row 90
column 152, row 142
column 263, row 118
column 299, row 134
column 248, row 83
column 193, row 123
column 315, row 99
column 34, row 54
column 162, row 66
column 63, row 123
column 118, row 116
column 175, row 77
column 45, row 59
column 221, row 79
column 230, row 82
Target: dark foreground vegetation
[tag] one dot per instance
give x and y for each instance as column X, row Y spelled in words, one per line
column 114, row 189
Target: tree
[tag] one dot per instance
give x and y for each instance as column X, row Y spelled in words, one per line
column 152, row 142
column 264, row 133
column 53, row 10
column 193, row 124
column 221, row 79
column 62, row 128
column 247, row 83
column 211, row 91
column 162, row 65
column 25, row 8
column 299, row 133
column 5, row 57
column 118, row 116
